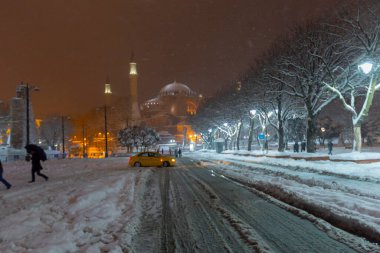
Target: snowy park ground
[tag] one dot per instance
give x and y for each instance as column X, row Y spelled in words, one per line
column 95, row 205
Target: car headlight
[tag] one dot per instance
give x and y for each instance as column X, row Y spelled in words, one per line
column 173, row 160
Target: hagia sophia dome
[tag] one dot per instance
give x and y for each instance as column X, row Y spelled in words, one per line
column 175, row 98
column 176, row 88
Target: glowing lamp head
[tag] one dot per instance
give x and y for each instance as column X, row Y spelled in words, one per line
column 366, row 67
column 252, row 112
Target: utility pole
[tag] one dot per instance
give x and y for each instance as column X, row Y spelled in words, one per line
column 27, row 115
column 105, row 131
column 63, row 137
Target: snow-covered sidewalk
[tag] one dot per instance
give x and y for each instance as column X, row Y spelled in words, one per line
column 339, row 191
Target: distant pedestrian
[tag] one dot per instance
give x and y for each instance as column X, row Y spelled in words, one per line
column 162, row 151
column 303, row 146
column 36, row 158
column 176, row 152
column 170, row 151
column 330, row 147
column 296, row 147
column 369, row 141
column 179, row 152
column 5, row 182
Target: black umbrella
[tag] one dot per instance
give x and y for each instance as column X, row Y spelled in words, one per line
column 37, row 150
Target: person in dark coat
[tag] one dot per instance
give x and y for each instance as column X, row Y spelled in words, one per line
column 5, row 182
column 303, row 146
column 296, row 147
column 36, row 166
column 179, row 152
column 330, row 147
column 176, row 152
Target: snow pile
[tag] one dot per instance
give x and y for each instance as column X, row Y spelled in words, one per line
column 344, row 193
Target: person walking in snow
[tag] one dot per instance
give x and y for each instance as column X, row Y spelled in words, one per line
column 179, row 152
column 5, row 182
column 296, row 147
column 36, row 165
column 303, row 146
column 330, row 147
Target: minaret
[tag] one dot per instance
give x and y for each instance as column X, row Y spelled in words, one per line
column 107, row 90
column 135, row 111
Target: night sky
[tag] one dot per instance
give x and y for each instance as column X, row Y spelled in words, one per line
column 67, row 47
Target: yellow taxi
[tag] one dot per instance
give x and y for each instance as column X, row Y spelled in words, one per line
column 151, row 159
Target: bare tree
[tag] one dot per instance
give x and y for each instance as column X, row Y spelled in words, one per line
column 303, row 75
column 358, row 31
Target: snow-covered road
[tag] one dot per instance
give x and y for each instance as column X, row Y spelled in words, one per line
column 105, row 206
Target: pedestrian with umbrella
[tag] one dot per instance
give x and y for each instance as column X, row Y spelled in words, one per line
column 37, row 155
column 5, row 182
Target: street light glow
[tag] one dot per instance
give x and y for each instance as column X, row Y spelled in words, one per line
column 366, row 67
column 252, row 112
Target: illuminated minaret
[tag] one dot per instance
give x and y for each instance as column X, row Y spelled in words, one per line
column 135, row 111
column 107, row 90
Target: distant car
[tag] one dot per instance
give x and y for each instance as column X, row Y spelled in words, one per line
column 151, row 159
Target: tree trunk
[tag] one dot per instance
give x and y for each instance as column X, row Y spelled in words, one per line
column 238, row 135
column 281, row 141
column 311, row 134
column 357, row 144
column 250, row 135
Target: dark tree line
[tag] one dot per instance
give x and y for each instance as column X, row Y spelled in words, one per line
column 302, row 73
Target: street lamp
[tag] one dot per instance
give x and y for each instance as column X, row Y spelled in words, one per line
column 27, row 87
column 63, row 135
column 105, row 132
column 366, row 67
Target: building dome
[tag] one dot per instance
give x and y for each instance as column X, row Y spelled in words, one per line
column 176, row 88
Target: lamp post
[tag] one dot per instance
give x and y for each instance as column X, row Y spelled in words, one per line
column 63, row 135
column 105, row 131
column 27, row 87
column 84, row 151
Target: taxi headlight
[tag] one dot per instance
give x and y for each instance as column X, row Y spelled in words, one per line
column 173, row 160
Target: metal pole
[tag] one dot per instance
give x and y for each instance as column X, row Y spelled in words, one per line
column 27, row 115
column 83, row 144
column 63, row 137
column 105, row 131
